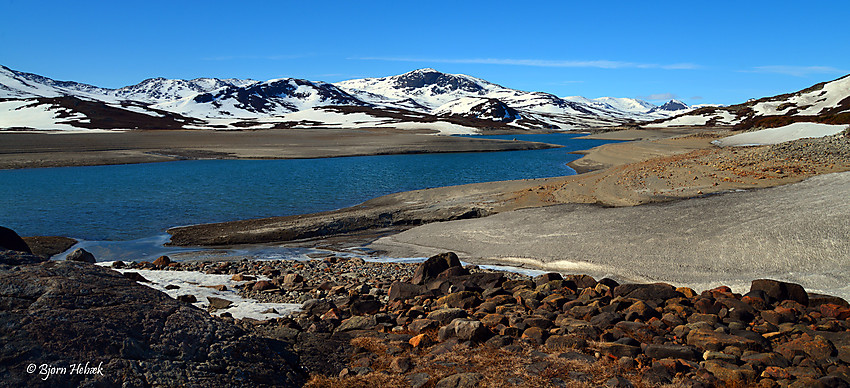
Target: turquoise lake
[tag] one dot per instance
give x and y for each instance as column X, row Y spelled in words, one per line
column 133, row 201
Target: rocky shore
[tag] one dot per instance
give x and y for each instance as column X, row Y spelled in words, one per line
column 441, row 324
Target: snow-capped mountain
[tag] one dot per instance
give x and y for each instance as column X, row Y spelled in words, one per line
column 271, row 98
column 826, row 102
column 424, row 98
column 672, row 106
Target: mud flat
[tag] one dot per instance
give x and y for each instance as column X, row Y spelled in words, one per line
column 57, row 149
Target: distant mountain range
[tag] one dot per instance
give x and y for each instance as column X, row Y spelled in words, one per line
column 826, row 102
column 424, row 98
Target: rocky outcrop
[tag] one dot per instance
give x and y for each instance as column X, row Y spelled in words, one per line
column 9, row 240
column 57, row 315
column 48, row 246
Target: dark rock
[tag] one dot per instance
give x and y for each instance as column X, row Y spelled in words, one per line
column 444, row 316
column 618, row 382
column 546, row 278
column 432, row 267
column 357, row 322
column 564, row 342
column 404, row 291
column 187, row 298
column 765, row 359
column 535, row 334
column 582, row 281
column 421, row 325
column 418, row 380
column 61, row 313
column 118, row 264
column 81, row 255
column 368, row 306
column 658, row 352
column 162, row 261
column 475, row 331
column 401, row 364
column 779, row 291
column 219, row 303
column 618, row 350
column 655, row 291
column 460, row 380
column 292, row 280
column 9, row 257
column 820, row 299
column 317, row 306
column 136, row 277
column 9, row 240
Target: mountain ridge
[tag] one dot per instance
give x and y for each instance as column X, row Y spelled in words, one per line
column 213, row 103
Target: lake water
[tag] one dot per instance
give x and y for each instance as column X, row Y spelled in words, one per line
column 138, row 201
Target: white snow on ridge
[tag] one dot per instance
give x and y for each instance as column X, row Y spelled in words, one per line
column 781, row 134
column 808, row 104
column 31, row 114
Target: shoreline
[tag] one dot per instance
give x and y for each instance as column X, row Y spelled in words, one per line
column 56, row 149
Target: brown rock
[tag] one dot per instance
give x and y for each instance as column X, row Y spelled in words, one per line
column 240, row 277
column 462, row 299
column 565, row 342
column 218, row 287
column 729, row 373
column 582, row 281
column 618, row 350
column 818, row 348
column 401, row 364
column 492, row 320
column 460, row 380
column 660, row 351
column 263, row 285
column 162, row 261
column 780, row 291
column 421, row 341
column 292, row 280
column 187, row 298
column 712, row 340
column 535, row 334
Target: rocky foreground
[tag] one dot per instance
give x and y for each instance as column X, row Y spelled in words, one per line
column 441, row 324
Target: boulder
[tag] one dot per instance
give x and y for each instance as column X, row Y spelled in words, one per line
column 357, row 323
column 219, row 303
column 432, row 267
column 142, row 336
column 654, row 291
column 162, row 261
column 81, row 255
column 712, row 340
column 460, row 380
column 404, row 291
column 659, row 351
column 444, row 316
column 9, row 240
column 779, row 291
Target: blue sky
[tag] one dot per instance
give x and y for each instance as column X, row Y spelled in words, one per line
column 699, row 52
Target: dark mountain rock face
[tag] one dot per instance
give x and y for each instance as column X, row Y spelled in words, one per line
column 670, row 106
column 424, row 78
column 62, row 314
column 263, row 97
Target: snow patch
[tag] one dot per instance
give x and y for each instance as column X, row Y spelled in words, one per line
column 780, row 135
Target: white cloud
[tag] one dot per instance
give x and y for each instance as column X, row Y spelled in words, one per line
column 796, row 71
column 601, row 64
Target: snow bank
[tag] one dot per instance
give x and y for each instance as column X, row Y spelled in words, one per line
column 782, row 134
